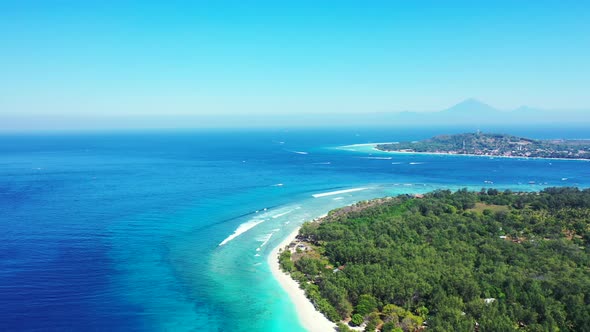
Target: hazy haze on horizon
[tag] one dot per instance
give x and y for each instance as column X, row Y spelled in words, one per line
column 66, row 64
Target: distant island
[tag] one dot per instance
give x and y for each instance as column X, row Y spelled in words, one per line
column 450, row 261
column 494, row 145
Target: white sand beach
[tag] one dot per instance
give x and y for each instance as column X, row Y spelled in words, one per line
column 311, row 319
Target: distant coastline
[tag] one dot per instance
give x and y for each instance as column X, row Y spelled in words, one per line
column 493, row 145
column 473, row 155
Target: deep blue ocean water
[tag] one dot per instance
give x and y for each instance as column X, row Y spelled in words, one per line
column 121, row 231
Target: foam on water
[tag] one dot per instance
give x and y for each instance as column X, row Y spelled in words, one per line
column 364, row 145
column 285, row 213
column 265, row 241
column 263, row 237
column 243, row 228
column 297, row 152
column 338, row 192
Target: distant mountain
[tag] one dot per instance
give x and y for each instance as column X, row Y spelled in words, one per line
column 471, row 107
column 477, row 113
column 468, row 113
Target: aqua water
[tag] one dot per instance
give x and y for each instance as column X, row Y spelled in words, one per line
column 170, row 230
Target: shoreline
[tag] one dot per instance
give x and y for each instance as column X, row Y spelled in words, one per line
column 475, row 155
column 311, row 319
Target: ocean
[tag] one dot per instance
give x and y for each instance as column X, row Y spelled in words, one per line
column 170, row 230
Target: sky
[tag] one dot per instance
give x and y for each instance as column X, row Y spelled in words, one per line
column 85, row 59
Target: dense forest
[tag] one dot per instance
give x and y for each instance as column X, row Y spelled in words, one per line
column 495, row 145
column 451, row 261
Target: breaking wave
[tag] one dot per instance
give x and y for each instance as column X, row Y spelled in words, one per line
column 338, row 192
column 243, row 228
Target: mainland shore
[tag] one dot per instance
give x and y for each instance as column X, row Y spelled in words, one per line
column 369, row 147
column 311, row 319
column 374, row 148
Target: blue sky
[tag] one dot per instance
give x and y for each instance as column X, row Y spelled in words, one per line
column 125, row 58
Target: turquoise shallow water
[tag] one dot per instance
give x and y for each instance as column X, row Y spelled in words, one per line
column 122, row 231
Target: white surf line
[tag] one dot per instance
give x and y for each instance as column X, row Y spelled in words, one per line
column 265, row 242
column 338, row 192
column 298, row 152
column 366, row 144
column 242, row 229
column 378, row 158
column 282, row 214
